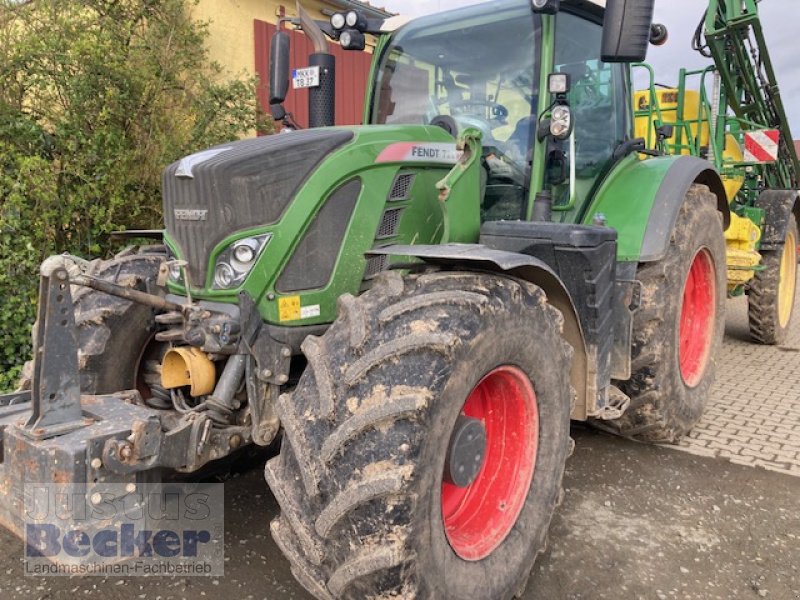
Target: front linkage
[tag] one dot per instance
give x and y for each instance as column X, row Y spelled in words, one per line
column 54, row 434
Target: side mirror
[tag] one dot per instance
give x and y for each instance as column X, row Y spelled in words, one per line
column 626, row 30
column 279, row 68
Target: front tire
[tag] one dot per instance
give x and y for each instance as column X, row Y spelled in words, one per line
column 678, row 328
column 365, row 510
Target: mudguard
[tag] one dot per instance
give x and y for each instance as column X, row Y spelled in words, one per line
column 779, row 206
column 529, row 268
column 641, row 199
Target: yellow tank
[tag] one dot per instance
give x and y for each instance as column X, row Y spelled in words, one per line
column 667, row 99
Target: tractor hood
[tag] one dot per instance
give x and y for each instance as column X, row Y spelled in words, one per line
column 214, row 193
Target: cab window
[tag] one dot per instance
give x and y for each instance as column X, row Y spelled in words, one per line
column 597, row 99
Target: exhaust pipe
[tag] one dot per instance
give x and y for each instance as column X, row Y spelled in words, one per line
column 322, row 99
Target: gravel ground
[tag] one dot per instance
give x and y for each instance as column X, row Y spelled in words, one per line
column 637, row 522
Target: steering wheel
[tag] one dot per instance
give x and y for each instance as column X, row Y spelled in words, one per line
column 499, row 112
column 503, row 165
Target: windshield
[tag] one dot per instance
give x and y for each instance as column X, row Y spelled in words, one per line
column 476, row 66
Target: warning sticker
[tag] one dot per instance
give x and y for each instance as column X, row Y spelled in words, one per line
column 289, row 308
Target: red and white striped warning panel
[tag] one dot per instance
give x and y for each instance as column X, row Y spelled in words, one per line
column 761, row 146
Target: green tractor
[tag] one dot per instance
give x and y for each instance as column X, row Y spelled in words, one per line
column 420, row 304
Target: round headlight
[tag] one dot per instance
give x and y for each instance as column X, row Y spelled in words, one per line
column 561, row 122
column 338, row 21
column 224, row 275
column 352, row 18
column 346, row 38
column 244, row 253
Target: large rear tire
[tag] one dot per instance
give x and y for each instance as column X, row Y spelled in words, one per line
column 365, row 510
column 114, row 334
column 771, row 293
column 678, row 328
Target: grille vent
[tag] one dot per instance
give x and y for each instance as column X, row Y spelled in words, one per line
column 401, row 189
column 376, row 264
column 314, row 259
column 390, row 223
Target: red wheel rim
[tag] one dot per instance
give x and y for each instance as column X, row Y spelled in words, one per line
column 478, row 518
column 697, row 318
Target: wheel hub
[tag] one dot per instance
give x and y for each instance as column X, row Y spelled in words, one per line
column 500, row 422
column 466, row 453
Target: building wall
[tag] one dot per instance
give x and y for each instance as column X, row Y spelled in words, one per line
column 240, row 31
column 352, row 73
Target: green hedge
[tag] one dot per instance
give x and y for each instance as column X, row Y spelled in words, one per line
column 96, row 97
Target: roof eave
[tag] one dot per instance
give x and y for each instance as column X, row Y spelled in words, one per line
column 367, row 9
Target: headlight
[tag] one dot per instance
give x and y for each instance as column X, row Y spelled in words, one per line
column 235, row 263
column 352, row 39
column 174, row 267
column 175, row 272
column 244, row 252
column 338, row 21
column 561, row 122
column 224, row 277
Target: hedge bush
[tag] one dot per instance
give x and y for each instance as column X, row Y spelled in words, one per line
column 96, row 97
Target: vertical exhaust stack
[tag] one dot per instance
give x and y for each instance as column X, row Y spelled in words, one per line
column 322, row 99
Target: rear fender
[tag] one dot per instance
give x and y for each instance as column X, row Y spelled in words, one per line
column 477, row 257
column 641, row 199
column 779, row 206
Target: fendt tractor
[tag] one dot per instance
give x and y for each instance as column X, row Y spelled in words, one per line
column 420, row 305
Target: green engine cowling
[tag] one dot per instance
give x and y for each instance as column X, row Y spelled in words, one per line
column 309, row 206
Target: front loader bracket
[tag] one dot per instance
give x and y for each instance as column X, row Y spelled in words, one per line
column 55, row 389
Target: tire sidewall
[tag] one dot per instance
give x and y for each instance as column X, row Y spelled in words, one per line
column 504, row 340
column 118, row 369
column 698, row 236
column 782, row 331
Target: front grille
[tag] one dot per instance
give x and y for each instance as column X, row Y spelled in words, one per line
column 375, row 265
column 237, row 186
column 401, row 189
column 390, row 223
column 314, row 259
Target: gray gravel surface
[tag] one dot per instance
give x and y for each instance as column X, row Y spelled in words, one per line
column 637, row 523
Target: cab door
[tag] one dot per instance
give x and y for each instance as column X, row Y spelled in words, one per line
column 601, row 112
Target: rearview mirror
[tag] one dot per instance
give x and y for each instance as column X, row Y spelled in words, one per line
column 626, row 30
column 279, row 68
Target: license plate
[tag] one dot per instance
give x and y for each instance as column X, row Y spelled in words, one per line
column 305, row 78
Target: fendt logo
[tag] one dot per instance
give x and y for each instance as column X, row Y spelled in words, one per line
column 190, row 214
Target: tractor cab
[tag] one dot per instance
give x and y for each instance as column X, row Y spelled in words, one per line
column 469, row 69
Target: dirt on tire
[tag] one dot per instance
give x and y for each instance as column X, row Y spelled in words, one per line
column 764, row 294
column 663, row 406
column 359, row 476
column 112, row 332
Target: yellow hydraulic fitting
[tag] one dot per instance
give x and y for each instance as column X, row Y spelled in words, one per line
column 188, row 366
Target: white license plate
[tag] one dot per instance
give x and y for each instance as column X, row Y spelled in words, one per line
column 305, row 78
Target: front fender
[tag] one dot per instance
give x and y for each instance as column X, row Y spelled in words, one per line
column 641, row 199
column 479, row 257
